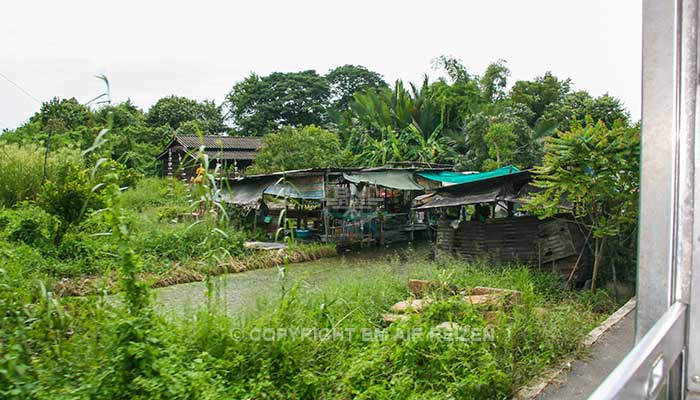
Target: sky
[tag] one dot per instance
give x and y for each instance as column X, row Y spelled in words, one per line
column 200, row 49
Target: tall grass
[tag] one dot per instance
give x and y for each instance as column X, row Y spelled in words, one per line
column 22, row 169
column 213, row 355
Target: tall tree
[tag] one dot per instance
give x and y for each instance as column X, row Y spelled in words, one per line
column 347, row 80
column 259, row 105
column 524, row 142
column 539, row 93
column 58, row 123
column 501, row 142
column 61, row 115
column 494, row 81
column 172, row 111
column 578, row 105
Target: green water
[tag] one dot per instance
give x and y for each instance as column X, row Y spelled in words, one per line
column 241, row 292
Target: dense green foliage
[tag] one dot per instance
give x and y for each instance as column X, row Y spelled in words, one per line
column 174, row 111
column 64, row 237
column 23, row 170
column 134, row 139
column 347, row 80
column 262, row 104
column 292, row 148
column 594, row 172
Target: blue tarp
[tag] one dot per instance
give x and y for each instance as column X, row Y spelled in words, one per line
column 457, row 177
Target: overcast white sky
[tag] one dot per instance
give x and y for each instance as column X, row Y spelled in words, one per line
column 199, row 49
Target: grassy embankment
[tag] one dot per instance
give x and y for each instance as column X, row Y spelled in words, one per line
column 71, row 349
column 174, row 246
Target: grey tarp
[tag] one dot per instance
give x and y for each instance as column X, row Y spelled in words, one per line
column 298, row 187
column 401, row 180
column 513, row 187
column 488, row 195
column 246, row 192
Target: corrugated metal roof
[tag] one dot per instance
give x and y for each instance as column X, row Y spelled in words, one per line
column 227, row 147
column 219, row 142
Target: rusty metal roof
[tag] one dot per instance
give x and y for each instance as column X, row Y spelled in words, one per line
column 218, row 146
column 219, row 142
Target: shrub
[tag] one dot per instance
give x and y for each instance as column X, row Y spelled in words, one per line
column 296, row 148
column 171, row 213
column 29, row 224
column 127, row 176
column 69, row 197
column 76, row 245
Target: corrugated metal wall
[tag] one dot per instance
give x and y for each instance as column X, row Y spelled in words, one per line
column 547, row 244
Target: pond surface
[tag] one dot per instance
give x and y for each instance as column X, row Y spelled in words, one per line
column 240, row 292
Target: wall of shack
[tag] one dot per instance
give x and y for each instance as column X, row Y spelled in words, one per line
column 551, row 244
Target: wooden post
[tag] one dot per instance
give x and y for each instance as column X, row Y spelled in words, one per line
column 324, row 206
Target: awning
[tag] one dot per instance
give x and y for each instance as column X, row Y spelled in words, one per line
column 514, row 188
column 487, row 196
column 309, row 188
column 401, row 180
column 245, row 193
column 458, row 177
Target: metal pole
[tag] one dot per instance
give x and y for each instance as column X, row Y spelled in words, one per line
column 659, row 162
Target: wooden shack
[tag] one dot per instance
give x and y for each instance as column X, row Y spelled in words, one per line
column 504, row 234
column 232, row 154
column 345, row 206
column 550, row 244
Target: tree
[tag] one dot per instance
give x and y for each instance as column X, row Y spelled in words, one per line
column 596, row 171
column 398, row 109
column 259, row 105
column 58, row 123
column 61, row 115
column 578, row 105
column 493, row 83
column 607, row 109
column 454, row 68
column 297, row 148
column 539, row 93
column 409, row 144
column 173, row 111
column 348, row 79
column 524, row 144
column 501, row 141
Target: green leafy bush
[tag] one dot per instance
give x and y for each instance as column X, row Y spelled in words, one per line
column 171, row 213
column 69, row 197
column 28, row 224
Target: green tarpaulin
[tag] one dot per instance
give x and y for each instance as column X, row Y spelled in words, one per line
column 457, row 177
